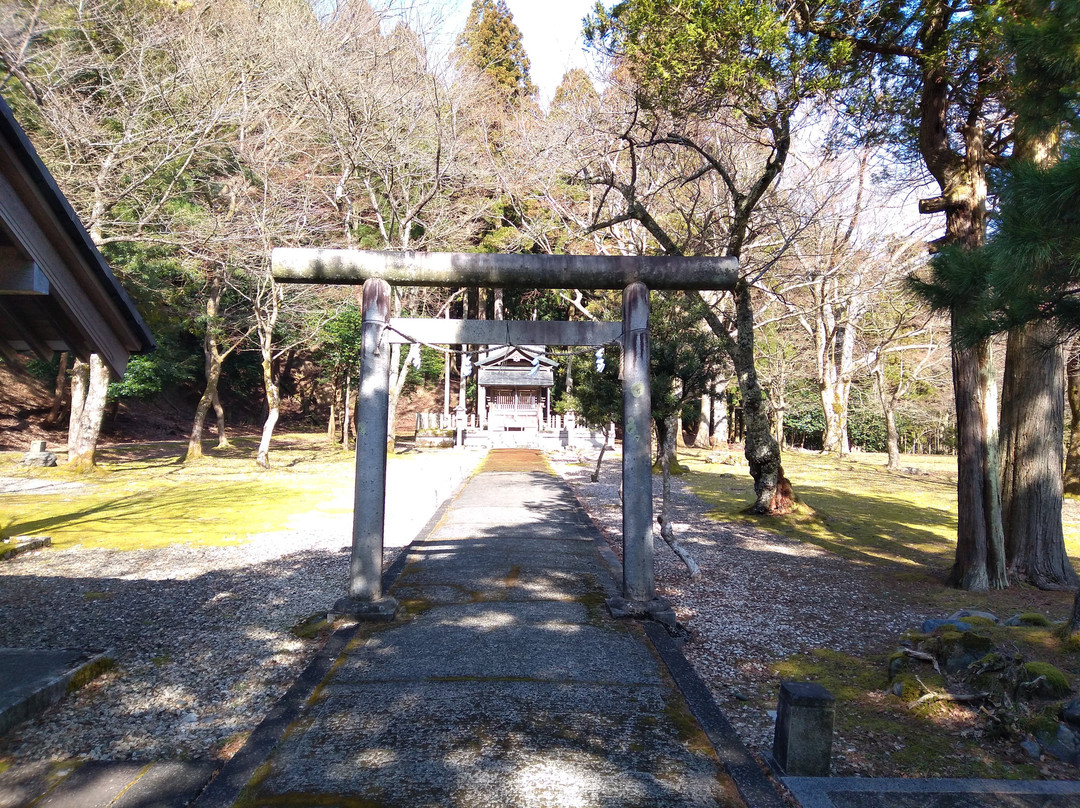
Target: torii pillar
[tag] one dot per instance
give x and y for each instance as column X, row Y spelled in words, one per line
column 635, row 275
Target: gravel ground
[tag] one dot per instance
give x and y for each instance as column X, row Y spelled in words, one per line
column 201, row 635
column 760, row 598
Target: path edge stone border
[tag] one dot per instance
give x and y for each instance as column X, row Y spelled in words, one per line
column 89, row 665
column 225, row 788
column 813, row 792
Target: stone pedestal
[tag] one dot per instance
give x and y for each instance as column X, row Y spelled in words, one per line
column 38, row 455
column 382, row 610
column 802, row 745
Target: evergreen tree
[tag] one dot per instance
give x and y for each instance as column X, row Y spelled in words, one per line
column 492, row 43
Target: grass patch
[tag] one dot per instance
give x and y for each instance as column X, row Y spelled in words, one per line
column 141, row 496
column 855, row 508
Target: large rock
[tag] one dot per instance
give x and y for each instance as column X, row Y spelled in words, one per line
column 965, row 613
column 1062, row 742
column 1071, row 712
column 1043, row 680
column 956, row 650
column 930, row 626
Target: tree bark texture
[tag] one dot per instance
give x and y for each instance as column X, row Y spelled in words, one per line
column 772, row 491
column 1072, row 456
column 219, row 414
column 213, row 360
column 595, row 477
column 835, row 350
column 273, row 403
column 60, row 395
column 80, row 384
column 667, row 429
column 91, row 392
column 701, row 438
column 888, row 408
column 1073, row 626
column 980, row 558
column 1032, row 458
column 667, row 528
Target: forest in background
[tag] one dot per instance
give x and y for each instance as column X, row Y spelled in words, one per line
column 191, row 138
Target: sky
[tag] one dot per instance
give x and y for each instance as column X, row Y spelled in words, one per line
column 551, row 30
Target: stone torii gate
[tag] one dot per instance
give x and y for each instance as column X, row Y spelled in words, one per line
column 635, row 275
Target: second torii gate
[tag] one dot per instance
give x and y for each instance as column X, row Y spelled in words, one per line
column 635, row 275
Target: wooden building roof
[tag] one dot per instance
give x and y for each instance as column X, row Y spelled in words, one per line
column 512, row 366
column 56, row 291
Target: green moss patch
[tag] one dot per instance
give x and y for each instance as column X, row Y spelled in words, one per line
column 855, row 507
column 1045, row 680
column 1034, row 619
column 142, row 496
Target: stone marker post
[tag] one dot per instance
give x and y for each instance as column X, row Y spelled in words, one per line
column 802, row 744
column 365, row 598
column 638, row 582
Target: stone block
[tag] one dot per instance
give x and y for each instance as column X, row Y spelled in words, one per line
column 42, row 459
column 802, row 744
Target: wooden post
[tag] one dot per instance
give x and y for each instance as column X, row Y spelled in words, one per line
column 365, row 599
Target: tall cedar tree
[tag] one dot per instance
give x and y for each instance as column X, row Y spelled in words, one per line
column 492, row 43
column 1008, row 286
column 1043, row 38
column 927, row 81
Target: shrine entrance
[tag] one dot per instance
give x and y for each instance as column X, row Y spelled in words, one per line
column 635, row 275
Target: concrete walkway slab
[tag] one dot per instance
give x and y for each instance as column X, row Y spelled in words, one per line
column 33, row 679
column 504, row 683
column 166, row 784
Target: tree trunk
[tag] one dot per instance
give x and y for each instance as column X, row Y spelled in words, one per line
column 961, row 176
column 213, row 360
column 888, row 408
column 667, row 529
column 600, row 459
column 399, row 372
column 701, row 439
column 91, row 394
column 666, row 443
column 273, row 406
column 772, row 490
column 60, row 395
column 213, row 373
column 1032, row 482
column 1072, row 457
column 346, row 420
column 980, row 558
column 835, row 394
column 1073, row 626
column 331, row 423
column 721, row 418
column 219, row 414
column 80, row 385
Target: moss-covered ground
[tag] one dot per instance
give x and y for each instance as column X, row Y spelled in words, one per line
column 141, row 495
column 901, row 525
column 900, row 528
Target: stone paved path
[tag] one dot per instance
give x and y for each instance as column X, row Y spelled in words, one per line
column 506, row 683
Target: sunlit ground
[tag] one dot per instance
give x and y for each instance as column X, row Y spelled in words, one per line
column 141, row 496
column 855, row 507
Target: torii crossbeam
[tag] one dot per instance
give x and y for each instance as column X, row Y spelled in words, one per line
column 635, row 275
